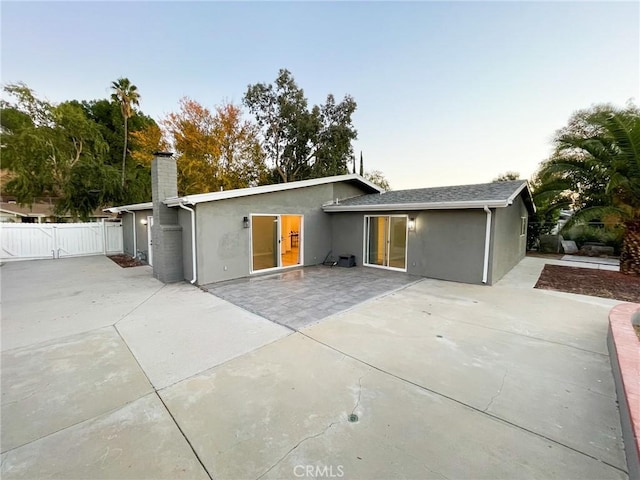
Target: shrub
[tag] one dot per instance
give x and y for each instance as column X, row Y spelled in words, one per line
column 608, row 235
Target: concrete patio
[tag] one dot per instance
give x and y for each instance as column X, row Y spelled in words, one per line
column 106, row 373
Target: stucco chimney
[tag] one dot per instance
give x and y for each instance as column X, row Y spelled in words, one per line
column 166, row 233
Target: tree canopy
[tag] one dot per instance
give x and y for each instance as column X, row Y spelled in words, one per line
column 299, row 142
column 377, row 178
column 214, row 150
column 595, row 167
column 507, row 176
column 57, row 152
column 92, row 153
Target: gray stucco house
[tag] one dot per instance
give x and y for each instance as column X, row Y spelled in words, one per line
column 466, row 233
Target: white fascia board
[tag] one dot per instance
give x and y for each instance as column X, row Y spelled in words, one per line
column 416, row 206
column 135, row 206
column 515, row 194
column 18, row 214
column 277, row 187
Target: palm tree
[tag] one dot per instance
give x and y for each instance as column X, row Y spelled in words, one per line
column 597, row 160
column 126, row 94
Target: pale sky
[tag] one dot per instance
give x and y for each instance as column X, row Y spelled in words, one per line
column 447, row 92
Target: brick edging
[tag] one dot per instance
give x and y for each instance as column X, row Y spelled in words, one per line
column 624, row 352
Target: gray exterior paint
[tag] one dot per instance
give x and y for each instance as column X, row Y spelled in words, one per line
column 347, row 239
column 345, row 191
column 142, row 241
column 508, row 246
column 446, row 244
column 223, row 244
column 184, row 219
column 166, row 232
column 127, row 234
column 141, row 232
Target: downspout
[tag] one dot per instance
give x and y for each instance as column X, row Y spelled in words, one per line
column 193, row 240
column 135, row 237
column 487, row 242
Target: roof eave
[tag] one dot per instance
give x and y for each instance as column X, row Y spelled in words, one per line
column 416, row 206
column 525, row 185
column 133, row 207
column 277, row 187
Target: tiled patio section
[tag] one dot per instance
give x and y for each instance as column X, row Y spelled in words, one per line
column 301, row 297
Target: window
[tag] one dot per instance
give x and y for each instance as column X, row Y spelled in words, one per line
column 523, row 226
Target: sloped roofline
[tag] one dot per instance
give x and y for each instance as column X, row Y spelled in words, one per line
column 452, row 205
column 278, row 187
column 132, row 207
column 13, row 212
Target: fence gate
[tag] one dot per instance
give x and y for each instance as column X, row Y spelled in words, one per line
column 59, row 240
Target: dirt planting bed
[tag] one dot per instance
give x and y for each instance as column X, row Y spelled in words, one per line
column 589, row 281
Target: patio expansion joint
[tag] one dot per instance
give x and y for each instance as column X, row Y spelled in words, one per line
column 157, row 394
column 459, row 402
column 80, row 422
column 224, row 363
column 139, row 305
column 546, row 340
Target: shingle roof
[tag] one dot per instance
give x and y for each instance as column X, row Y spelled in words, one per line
column 495, row 194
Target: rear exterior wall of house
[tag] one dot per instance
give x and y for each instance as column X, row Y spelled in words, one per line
column 446, row 244
column 142, row 241
column 224, row 245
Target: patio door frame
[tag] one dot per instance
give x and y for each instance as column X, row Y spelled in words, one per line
column 149, row 240
column 279, row 242
column 365, row 241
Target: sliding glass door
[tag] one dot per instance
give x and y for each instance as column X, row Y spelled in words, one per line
column 264, row 241
column 276, row 241
column 386, row 241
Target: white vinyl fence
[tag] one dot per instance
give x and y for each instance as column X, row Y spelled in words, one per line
column 59, row 240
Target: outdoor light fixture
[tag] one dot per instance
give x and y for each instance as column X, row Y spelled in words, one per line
column 412, row 224
column 143, row 221
column 245, row 222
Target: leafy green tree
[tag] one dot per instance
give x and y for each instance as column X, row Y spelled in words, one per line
column 377, row 178
column 58, row 152
column 106, row 113
column 333, row 149
column 507, row 177
column 596, row 164
column 126, row 95
column 300, row 142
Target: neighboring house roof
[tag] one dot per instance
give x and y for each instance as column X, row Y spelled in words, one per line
column 42, row 210
column 132, row 207
column 492, row 195
column 278, row 187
